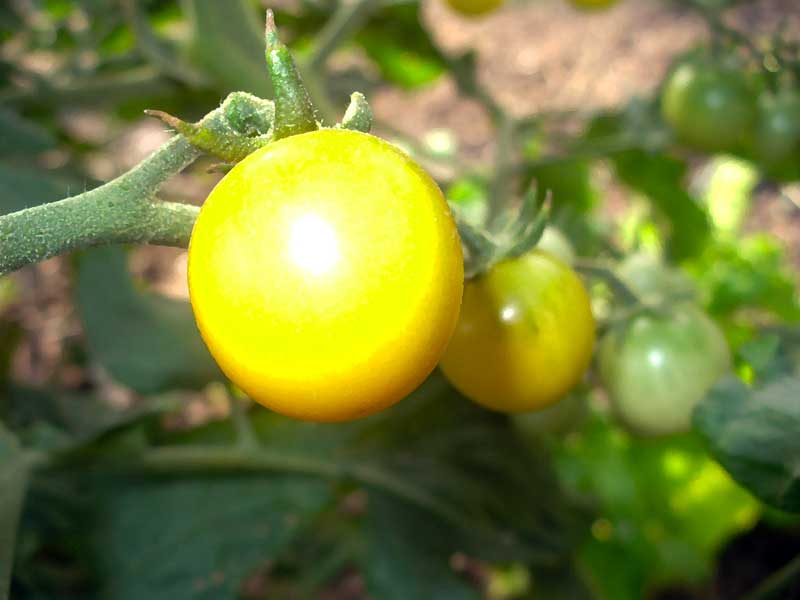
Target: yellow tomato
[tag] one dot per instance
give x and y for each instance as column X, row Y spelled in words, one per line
column 474, row 8
column 325, row 274
column 525, row 335
column 592, row 4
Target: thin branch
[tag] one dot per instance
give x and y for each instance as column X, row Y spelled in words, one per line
column 601, row 271
column 770, row 588
column 123, row 210
column 344, row 22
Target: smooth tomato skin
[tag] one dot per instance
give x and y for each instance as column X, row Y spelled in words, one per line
column 474, row 8
column 592, row 4
column 710, row 106
column 778, row 130
column 525, row 335
column 657, row 367
column 325, row 274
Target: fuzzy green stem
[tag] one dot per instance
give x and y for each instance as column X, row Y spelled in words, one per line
column 624, row 294
column 123, row 210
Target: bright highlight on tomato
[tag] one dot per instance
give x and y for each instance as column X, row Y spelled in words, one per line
column 473, row 8
column 525, row 335
column 658, row 366
column 325, row 274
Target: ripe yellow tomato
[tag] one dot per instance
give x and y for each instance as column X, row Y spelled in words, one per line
column 525, row 335
column 325, row 274
column 592, row 4
column 473, row 8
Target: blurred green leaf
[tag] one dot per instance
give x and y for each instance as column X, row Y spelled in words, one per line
column 664, row 508
column 408, row 554
column 728, row 191
column 227, row 41
column 401, row 48
column 56, row 420
column 22, row 136
column 195, row 537
column 749, row 272
column 569, row 182
column 13, row 483
column 146, row 341
column 754, row 435
column 661, row 179
column 23, row 186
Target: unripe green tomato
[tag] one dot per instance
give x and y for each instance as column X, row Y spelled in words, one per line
column 474, row 8
column 778, row 128
column 557, row 244
column 659, row 365
column 710, row 106
column 592, row 4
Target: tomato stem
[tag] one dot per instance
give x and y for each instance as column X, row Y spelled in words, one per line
column 623, row 293
column 125, row 210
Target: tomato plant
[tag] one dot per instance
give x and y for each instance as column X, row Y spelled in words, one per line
column 525, row 335
column 289, row 293
column 777, row 134
column 659, row 365
column 709, row 105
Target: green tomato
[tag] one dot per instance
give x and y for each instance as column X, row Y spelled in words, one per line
column 659, row 365
column 710, row 106
column 778, row 128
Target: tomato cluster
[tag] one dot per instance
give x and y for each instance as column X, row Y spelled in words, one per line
column 718, row 107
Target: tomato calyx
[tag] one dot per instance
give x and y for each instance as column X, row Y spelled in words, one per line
column 247, row 122
column 514, row 234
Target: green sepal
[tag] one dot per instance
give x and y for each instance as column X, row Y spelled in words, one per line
column 245, row 124
column 294, row 111
column 515, row 233
column 358, row 116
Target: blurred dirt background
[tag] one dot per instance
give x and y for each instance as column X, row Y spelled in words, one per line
column 540, row 55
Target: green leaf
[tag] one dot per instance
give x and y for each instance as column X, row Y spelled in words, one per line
column 25, row 186
column 408, row 554
column 664, row 508
column 749, row 272
column 57, row 420
column 21, row 136
column 13, row 483
column 146, row 341
column 754, row 435
column 195, row 538
column 227, row 41
column 661, row 179
column 401, row 48
column 569, row 183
